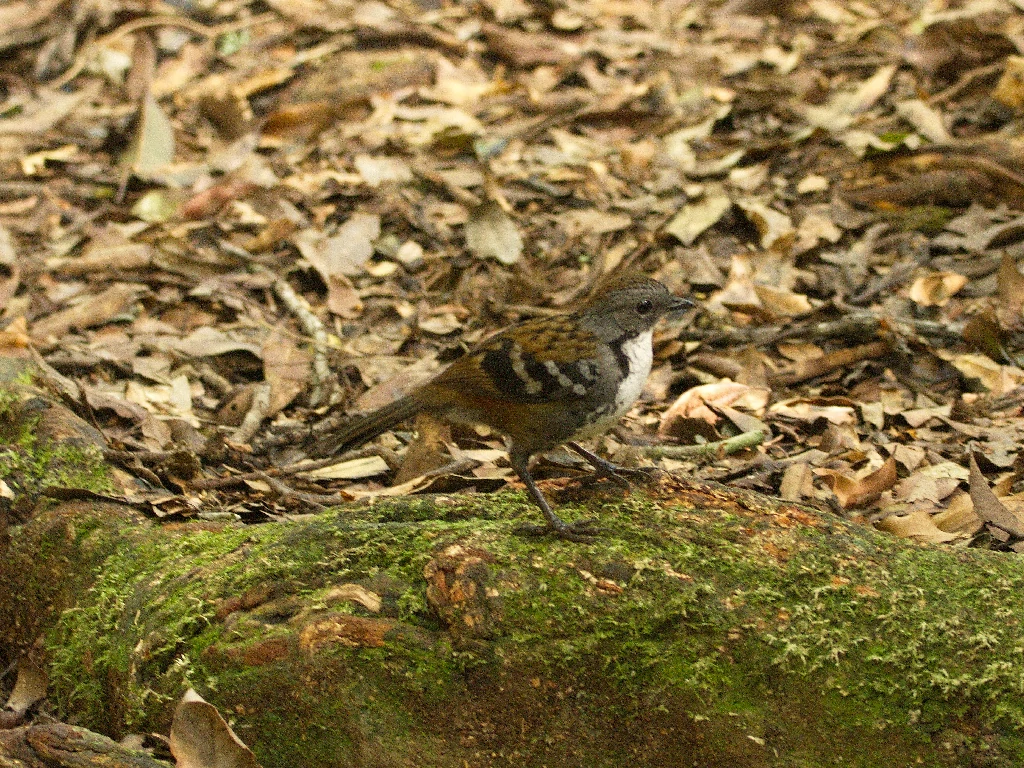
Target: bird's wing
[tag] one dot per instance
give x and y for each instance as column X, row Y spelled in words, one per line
column 549, row 359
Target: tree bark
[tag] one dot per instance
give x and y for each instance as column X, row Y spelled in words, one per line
column 57, row 745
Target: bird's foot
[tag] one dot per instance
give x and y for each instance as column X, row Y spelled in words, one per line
column 623, row 476
column 608, row 470
column 581, row 531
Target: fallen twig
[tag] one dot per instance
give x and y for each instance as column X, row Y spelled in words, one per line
column 713, row 450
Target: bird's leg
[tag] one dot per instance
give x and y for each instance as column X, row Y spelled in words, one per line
column 610, row 470
column 580, row 530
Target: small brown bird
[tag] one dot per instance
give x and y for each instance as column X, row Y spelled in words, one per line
column 544, row 382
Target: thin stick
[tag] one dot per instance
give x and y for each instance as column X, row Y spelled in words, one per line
column 713, row 450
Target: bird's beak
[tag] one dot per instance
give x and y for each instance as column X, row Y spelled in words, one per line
column 679, row 304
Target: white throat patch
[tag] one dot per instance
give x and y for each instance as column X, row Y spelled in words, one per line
column 639, row 355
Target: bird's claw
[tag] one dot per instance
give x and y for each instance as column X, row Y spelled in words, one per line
column 581, row 531
column 624, row 475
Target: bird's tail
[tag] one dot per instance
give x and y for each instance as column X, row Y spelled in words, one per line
column 364, row 428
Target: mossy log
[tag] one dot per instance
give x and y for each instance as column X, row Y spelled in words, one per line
column 58, row 745
column 705, row 627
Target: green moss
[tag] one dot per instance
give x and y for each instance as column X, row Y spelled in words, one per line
column 31, row 466
column 28, row 463
column 680, row 632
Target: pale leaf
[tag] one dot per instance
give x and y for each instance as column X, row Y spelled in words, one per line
column 491, row 234
column 201, row 738
column 695, row 218
column 152, row 145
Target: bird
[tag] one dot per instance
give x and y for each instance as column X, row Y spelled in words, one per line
column 544, row 382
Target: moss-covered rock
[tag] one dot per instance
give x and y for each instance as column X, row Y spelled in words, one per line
column 43, row 444
column 703, row 628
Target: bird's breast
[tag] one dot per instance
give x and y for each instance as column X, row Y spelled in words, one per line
column 638, row 355
column 634, row 357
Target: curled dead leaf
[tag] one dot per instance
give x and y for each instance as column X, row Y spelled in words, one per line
column 918, row 525
column 857, row 492
column 29, row 688
column 699, row 402
column 936, row 289
column 988, row 507
column 201, row 738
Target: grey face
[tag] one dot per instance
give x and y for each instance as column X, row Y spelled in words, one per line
column 632, row 308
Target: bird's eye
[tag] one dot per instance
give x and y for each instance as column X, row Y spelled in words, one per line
column 644, row 307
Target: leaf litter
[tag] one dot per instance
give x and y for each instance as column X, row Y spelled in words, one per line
column 220, row 265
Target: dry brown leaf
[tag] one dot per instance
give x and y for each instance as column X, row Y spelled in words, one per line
column 17, row 19
column 997, row 379
column 463, row 85
column 440, row 323
column 173, row 399
column 838, row 113
column 286, row 367
column 346, row 252
column 207, row 342
column 35, row 163
column 782, row 303
column 799, row 351
column 109, row 251
column 926, row 120
column 924, row 487
column 908, row 456
column 152, row 146
column 809, row 410
column 1010, row 88
column 491, row 234
column 873, row 414
column 509, row 10
column 958, row 516
column 43, row 112
column 93, row 311
column 382, row 170
column 100, row 401
column 797, row 482
column 988, row 507
column 342, row 297
column 695, row 218
column 594, row 222
column 14, row 339
column 29, row 687
column 918, row 417
column 776, row 229
column 816, row 227
column 918, row 525
column 352, row 469
column 201, row 738
column 699, row 402
column 858, row 492
column 739, row 292
column 936, row 289
column 947, row 470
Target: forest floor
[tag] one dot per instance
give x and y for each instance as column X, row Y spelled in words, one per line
column 226, row 225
